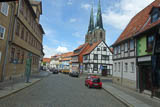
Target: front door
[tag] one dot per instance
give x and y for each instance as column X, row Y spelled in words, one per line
column 145, row 78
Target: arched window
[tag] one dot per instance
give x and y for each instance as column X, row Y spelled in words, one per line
column 101, row 35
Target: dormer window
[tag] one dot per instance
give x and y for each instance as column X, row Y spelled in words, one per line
column 154, row 17
column 154, row 13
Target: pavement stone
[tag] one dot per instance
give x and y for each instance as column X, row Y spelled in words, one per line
column 11, row 87
column 129, row 97
column 60, row 91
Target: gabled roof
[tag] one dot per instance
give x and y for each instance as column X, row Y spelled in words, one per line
column 92, row 47
column 139, row 23
column 46, row 60
column 82, row 47
column 68, row 54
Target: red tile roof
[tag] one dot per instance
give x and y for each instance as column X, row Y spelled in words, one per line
column 81, row 46
column 139, row 23
column 91, row 47
column 46, row 60
column 68, row 54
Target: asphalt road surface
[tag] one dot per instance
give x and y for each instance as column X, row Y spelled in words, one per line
column 59, row 90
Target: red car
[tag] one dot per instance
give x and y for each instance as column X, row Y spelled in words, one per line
column 93, row 81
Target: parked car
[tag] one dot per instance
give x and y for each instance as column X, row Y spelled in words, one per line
column 93, row 81
column 74, row 74
column 55, row 71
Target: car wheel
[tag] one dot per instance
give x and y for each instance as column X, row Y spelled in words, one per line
column 89, row 86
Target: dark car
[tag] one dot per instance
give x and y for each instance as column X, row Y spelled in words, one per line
column 55, row 71
column 74, row 74
column 93, row 81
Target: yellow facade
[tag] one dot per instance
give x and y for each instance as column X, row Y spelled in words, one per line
column 26, row 37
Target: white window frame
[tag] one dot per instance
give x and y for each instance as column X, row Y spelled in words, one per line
column 5, row 12
column 126, row 47
column 2, row 32
column 131, row 44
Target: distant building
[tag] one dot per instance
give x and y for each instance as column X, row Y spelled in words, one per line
column 77, row 57
column 86, row 57
column 98, row 59
column 46, row 63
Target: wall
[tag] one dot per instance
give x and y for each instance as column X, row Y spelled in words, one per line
column 121, row 76
column 142, row 46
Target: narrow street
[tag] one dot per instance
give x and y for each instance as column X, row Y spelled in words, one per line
column 60, row 91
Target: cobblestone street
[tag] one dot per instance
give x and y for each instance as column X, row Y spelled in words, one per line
column 60, row 91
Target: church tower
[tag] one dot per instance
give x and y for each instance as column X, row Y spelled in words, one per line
column 90, row 28
column 97, row 32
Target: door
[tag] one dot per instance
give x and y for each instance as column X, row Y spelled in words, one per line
column 104, row 71
column 145, row 78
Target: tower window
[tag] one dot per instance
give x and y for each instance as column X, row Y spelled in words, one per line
column 101, row 35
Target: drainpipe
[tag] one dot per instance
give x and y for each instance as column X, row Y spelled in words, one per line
column 7, row 42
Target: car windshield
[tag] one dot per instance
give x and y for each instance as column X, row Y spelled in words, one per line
column 96, row 80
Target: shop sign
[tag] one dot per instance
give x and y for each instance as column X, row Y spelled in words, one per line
column 143, row 59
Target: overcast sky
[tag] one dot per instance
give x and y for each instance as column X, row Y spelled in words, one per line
column 65, row 22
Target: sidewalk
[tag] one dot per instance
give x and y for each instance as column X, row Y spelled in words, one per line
column 129, row 97
column 10, row 87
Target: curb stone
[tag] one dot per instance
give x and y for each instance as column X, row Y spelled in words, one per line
column 119, row 98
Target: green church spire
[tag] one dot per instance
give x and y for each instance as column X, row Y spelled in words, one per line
column 91, row 22
column 99, row 23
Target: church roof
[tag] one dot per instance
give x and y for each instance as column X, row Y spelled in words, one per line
column 99, row 22
column 91, row 22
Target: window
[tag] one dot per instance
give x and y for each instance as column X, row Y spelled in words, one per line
column 115, row 67
column 119, row 66
column 105, row 57
column 98, row 49
column 126, row 47
column 85, row 57
column 86, row 67
column 26, row 39
column 118, row 48
column 95, row 67
column 101, row 35
column 18, row 56
column 4, row 8
column 115, row 50
column 12, row 54
column 122, row 47
column 132, row 67
column 22, row 7
column 131, row 44
column 0, row 56
column 17, row 28
column 104, row 49
column 150, row 41
column 126, row 67
column 95, row 57
column 22, row 57
column 154, row 17
column 22, row 33
column 2, row 32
